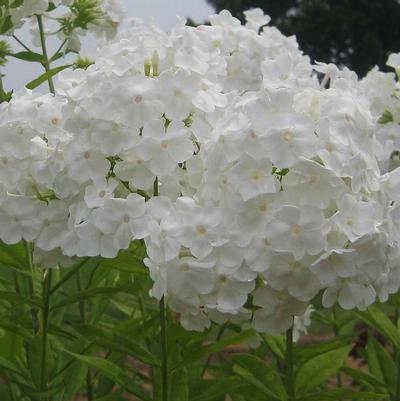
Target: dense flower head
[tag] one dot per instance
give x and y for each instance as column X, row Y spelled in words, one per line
column 270, row 181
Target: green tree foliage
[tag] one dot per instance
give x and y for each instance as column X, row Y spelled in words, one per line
column 358, row 34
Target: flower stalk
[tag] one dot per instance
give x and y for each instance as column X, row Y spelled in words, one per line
column 46, row 63
column 44, row 328
column 289, row 364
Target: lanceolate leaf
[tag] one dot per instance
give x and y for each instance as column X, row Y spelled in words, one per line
column 381, row 365
column 363, row 377
column 29, row 56
column 125, row 345
column 194, row 354
column 276, row 344
column 44, row 77
column 307, row 352
column 343, row 394
column 375, row 318
column 263, row 372
column 13, row 255
column 249, row 378
column 88, row 294
column 113, row 372
column 316, row 370
column 219, row 388
column 126, row 262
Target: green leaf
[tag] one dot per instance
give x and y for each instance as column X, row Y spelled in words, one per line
column 249, row 378
column 28, row 56
column 107, row 339
column 193, row 354
column 34, row 348
column 343, row 394
column 263, row 372
column 44, row 77
column 16, row 299
column 307, row 352
column 15, row 328
column 381, row 365
column 386, row 117
column 6, row 25
column 112, row 372
column 13, row 255
column 8, row 365
column 316, row 370
column 73, row 379
column 375, row 318
column 276, row 344
column 179, row 390
column 364, row 378
column 88, row 294
column 111, row 397
column 126, row 262
column 219, row 388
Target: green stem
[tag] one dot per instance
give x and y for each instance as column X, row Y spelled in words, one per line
column 396, row 351
column 206, row 365
column 46, row 63
column 164, row 355
column 71, row 272
column 143, row 313
column 16, row 283
column 336, row 332
column 156, row 187
column 45, row 327
column 29, row 262
column 397, row 396
column 72, row 361
column 289, row 364
column 2, row 93
column 55, row 55
column 22, row 44
column 163, row 334
column 82, row 314
column 10, row 389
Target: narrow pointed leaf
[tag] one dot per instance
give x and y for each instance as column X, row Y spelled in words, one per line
column 112, row 372
column 44, row 77
column 29, row 56
column 316, row 370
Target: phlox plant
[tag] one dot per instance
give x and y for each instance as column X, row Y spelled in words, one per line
column 184, row 191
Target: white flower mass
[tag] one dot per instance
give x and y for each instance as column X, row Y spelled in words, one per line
column 276, row 179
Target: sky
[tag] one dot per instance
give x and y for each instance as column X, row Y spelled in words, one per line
column 164, row 12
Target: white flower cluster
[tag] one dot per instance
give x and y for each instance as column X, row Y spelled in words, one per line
column 107, row 16
column 29, row 8
column 272, row 186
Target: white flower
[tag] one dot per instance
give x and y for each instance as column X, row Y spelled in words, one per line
column 357, row 218
column 124, row 219
column 301, row 323
column 312, row 184
column 54, row 217
column 19, row 219
column 96, row 194
column 349, row 295
column 256, row 18
column 297, row 230
column 85, row 163
column 198, row 229
column 295, row 138
column 285, row 272
column 253, row 177
column 394, row 61
column 164, row 149
column 277, row 310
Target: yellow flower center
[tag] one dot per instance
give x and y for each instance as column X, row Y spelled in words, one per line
column 296, row 230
